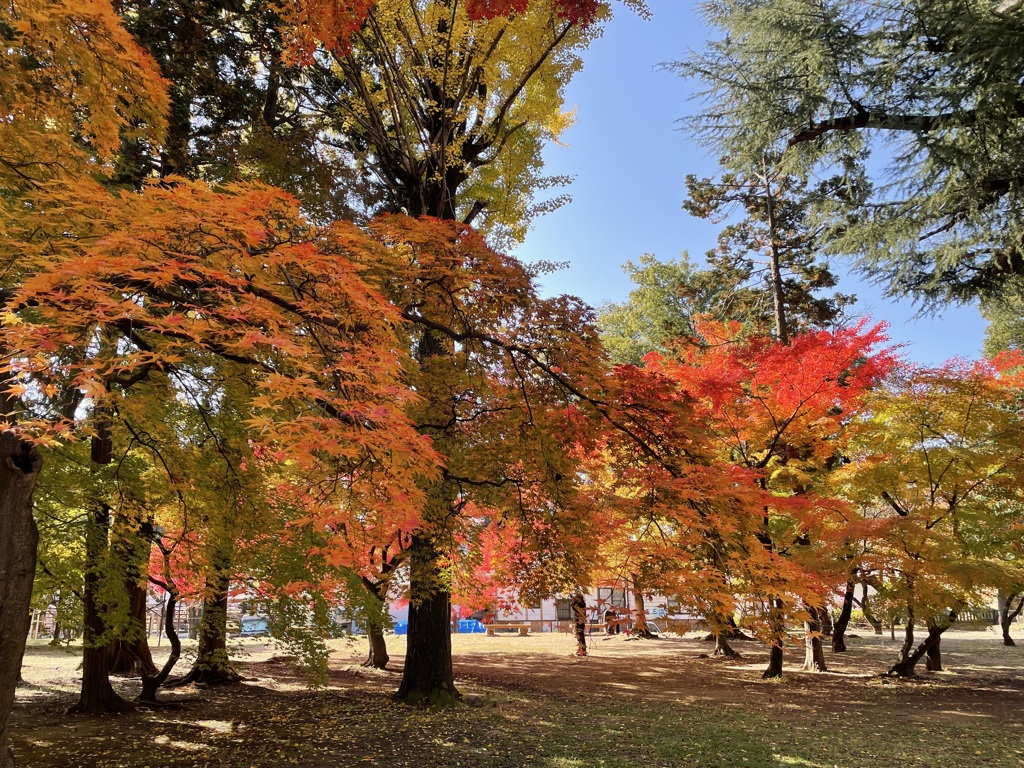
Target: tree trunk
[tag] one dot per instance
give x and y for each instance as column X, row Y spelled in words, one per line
column 839, row 629
column 1008, row 614
column 194, row 618
column 131, row 657
column 378, row 657
column 722, row 647
column 579, row 615
column 19, row 468
column 825, row 622
column 212, row 666
column 908, row 633
column 721, row 631
column 150, row 683
column 774, row 669
column 376, row 617
column 428, row 675
column 908, row 661
column 640, row 628
column 775, row 264
column 814, row 654
column 933, row 656
column 868, row 617
column 98, row 696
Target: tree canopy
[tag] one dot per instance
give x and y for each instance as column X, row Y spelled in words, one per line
column 930, row 91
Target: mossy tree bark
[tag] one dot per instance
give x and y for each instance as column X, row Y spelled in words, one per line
column 130, row 656
column 212, row 665
column 428, row 676
column 19, row 468
column 98, row 695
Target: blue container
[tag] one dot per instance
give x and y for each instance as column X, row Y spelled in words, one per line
column 402, row 628
column 471, row 626
column 254, row 626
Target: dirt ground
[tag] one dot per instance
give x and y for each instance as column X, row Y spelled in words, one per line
column 526, row 695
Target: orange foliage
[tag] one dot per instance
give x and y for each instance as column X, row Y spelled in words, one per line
column 71, row 70
column 717, row 502
column 186, row 278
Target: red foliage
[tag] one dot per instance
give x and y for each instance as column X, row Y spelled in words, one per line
column 331, row 23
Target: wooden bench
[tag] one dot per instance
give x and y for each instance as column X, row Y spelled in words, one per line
column 570, row 627
column 524, row 629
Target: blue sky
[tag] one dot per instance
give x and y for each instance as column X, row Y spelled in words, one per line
column 629, row 157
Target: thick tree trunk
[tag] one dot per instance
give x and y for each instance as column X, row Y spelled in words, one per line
column 774, row 670
column 98, row 696
column 579, row 615
column 908, row 661
column 212, row 665
column 640, row 628
column 722, row 647
column 428, row 675
column 933, row 656
column 132, row 657
column 1008, row 613
column 19, row 468
column 814, row 654
column 843, row 621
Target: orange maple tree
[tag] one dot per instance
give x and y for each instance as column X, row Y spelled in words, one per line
column 184, row 282
column 781, row 412
column 496, row 369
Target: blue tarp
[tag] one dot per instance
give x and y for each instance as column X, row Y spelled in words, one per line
column 253, row 625
column 466, row 626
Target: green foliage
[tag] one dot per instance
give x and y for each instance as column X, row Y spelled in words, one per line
column 936, row 471
column 302, row 624
column 655, row 312
column 925, row 95
column 767, row 270
column 238, row 109
column 1005, row 316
